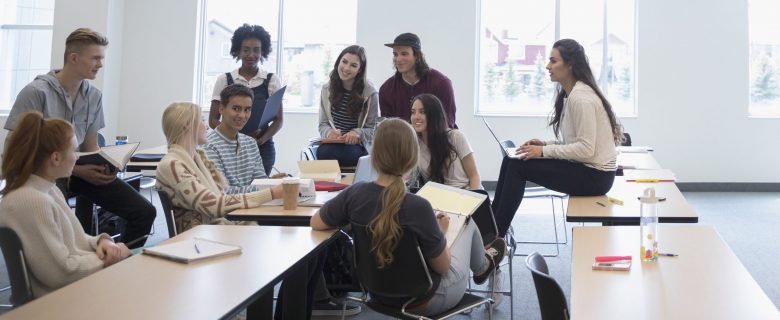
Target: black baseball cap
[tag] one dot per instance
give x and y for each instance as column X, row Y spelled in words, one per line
column 406, row 39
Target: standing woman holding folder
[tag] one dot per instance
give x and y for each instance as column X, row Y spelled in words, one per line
column 349, row 104
column 385, row 206
column 582, row 159
column 57, row 251
column 251, row 45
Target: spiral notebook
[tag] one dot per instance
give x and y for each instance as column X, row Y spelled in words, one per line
column 190, row 250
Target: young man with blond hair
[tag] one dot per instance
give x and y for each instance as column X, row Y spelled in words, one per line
column 68, row 94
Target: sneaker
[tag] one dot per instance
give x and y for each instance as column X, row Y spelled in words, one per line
column 332, row 308
column 496, row 284
column 497, row 250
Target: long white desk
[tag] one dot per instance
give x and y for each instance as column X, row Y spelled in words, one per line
column 706, row 280
column 145, row 287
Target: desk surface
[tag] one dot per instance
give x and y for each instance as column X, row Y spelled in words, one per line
column 640, row 161
column 587, row 209
column 148, row 167
column 145, row 287
column 707, row 281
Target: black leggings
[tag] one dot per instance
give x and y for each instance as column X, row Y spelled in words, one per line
column 572, row 178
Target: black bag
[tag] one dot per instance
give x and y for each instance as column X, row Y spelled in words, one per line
column 339, row 273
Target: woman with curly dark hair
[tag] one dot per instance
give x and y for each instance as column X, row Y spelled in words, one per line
column 445, row 154
column 349, row 104
column 251, row 45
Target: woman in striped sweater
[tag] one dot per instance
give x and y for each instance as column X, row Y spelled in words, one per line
column 348, row 109
column 581, row 161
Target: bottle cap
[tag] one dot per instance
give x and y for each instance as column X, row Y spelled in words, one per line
column 649, row 196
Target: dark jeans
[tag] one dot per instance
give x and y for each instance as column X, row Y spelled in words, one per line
column 268, row 154
column 119, row 198
column 346, row 154
column 564, row 176
column 313, row 274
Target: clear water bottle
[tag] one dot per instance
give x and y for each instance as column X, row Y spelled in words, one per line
column 121, row 140
column 648, row 225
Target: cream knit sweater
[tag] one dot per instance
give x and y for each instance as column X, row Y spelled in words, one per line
column 57, row 250
column 195, row 188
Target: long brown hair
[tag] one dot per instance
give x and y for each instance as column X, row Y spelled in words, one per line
column 29, row 145
column 394, row 153
column 573, row 54
column 439, row 145
column 336, row 87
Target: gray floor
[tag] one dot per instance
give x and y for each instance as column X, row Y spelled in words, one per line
column 746, row 221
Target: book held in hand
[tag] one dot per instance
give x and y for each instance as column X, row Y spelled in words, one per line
column 458, row 204
column 190, row 250
column 115, row 156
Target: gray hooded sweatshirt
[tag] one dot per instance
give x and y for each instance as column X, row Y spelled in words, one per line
column 47, row 96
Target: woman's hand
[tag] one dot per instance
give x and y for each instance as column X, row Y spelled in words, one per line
column 352, row 137
column 280, row 175
column 534, row 142
column 111, row 252
column 334, row 134
column 443, row 220
column 531, row 151
column 277, row 192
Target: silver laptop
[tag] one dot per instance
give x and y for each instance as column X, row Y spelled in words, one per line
column 364, row 170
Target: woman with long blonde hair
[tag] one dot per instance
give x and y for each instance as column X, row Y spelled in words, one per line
column 385, row 206
column 57, row 251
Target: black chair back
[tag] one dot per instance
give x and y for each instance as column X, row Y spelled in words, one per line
column 552, row 301
column 168, row 209
column 21, row 290
column 406, row 277
column 484, row 218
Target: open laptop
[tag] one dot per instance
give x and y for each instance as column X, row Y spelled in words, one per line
column 364, row 170
column 509, row 150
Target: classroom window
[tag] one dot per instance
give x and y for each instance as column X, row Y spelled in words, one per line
column 310, row 35
column 515, row 42
column 25, row 45
column 764, row 79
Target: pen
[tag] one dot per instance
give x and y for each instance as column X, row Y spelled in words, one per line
column 601, row 204
column 132, row 242
column 646, row 180
column 668, row 254
column 196, row 247
column 277, row 171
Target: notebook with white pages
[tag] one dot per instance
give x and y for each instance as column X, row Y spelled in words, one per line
column 190, row 250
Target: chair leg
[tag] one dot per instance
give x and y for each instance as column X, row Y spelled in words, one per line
column 557, row 242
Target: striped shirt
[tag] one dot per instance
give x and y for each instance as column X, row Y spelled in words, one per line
column 239, row 167
column 341, row 117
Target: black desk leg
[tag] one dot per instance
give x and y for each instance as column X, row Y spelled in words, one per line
column 294, row 293
column 262, row 308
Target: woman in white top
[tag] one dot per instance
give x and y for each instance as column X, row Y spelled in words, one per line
column 251, row 45
column 445, row 154
column 57, row 251
column 581, row 161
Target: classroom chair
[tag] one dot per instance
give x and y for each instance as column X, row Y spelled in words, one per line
column 13, row 253
column 552, row 300
column 542, row 192
column 408, row 277
column 168, row 211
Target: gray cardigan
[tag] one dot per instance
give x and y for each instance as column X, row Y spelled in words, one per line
column 366, row 120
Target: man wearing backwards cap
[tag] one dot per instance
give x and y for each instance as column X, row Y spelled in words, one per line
column 413, row 76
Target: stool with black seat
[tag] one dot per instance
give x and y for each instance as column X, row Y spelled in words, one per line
column 408, row 277
column 542, row 192
column 552, row 300
column 13, row 253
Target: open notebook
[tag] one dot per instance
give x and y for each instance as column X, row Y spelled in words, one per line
column 458, row 204
column 190, row 250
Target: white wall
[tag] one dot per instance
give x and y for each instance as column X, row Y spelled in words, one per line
column 692, row 72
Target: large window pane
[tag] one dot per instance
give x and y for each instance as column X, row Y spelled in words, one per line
column 25, row 50
column 311, row 45
column 515, row 37
column 764, row 58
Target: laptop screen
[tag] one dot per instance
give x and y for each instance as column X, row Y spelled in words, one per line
column 364, row 170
